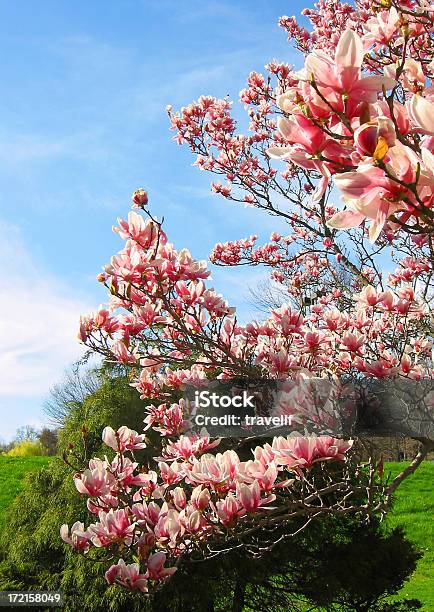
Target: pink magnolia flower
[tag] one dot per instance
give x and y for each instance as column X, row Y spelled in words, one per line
column 228, row 509
column 123, row 439
column 286, row 320
column 192, row 520
column 171, row 420
column 189, row 269
column 143, row 232
column 128, row 576
column 381, row 368
column 122, row 353
column 412, row 74
column 169, row 527
column 95, row 481
column 304, row 451
column 188, row 446
column 370, row 193
column 255, row 471
column 367, row 195
column 147, row 514
column 147, row 314
column 179, row 498
column 216, row 305
column 375, row 138
column 306, row 143
column 78, row 538
column 300, row 130
column 215, row 470
column 114, row 526
column 264, row 455
column 172, row 473
column 281, row 361
column 191, row 293
column 294, row 451
column 344, row 74
column 156, row 569
column 250, row 496
column 318, row 103
column 200, row 498
column 139, row 198
column 368, row 296
column 382, row 109
column 104, row 503
column 123, row 469
column 332, row 448
column 353, row 342
column 381, row 28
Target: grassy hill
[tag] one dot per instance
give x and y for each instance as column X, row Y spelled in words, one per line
column 414, row 510
column 12, row 472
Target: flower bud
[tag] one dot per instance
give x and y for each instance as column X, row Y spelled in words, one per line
column 140, row 198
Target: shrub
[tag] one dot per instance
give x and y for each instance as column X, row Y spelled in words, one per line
column 28, row 448
column 31, row 551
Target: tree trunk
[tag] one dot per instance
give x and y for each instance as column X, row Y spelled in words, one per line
column 239, row 595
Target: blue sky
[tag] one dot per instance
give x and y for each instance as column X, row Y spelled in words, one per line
column 83, row 94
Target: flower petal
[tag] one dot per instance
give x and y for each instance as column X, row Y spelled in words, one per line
column 349, row 50
column 421, row 111
column 345, row 219
column 279, row 152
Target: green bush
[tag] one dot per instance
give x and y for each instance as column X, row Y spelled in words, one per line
column 32, row 554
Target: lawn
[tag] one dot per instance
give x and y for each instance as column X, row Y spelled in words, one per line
column 414, row 510
column 12, row 472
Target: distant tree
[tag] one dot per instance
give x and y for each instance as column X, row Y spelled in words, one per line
column 5, row 446
column 26, row 432
column 48, row 438
column 77, row 385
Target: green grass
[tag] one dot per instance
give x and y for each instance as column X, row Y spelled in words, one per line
column 414, row 511
column 12, row 472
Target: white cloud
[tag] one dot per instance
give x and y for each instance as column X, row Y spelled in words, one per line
column 38, row 322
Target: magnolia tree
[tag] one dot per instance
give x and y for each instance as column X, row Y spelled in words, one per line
column 356, row 125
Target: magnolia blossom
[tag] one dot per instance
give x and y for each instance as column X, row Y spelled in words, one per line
column 78, row 537
column 250, row 496
column 381, row 28
column 344, row 75
column 96, row 480
column 123, row 439
column 372, row 193
column 296, row 451
column 128, row 576
column 113, row 526
column 156, row 569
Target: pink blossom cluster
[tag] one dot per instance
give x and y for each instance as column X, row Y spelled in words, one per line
column 158, row 516
column 343, row 124
column 359, row 115
column 171, row 303
column 192, row 494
